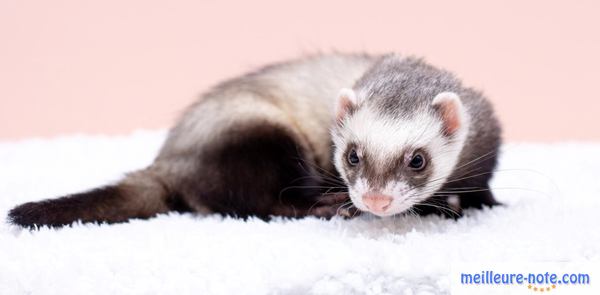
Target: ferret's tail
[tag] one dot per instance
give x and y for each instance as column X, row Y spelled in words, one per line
column 141, row 194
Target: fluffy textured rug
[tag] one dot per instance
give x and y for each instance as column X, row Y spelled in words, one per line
column 551, row 192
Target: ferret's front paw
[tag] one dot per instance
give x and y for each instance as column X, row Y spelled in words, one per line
column 329, row 211
column 329, row 205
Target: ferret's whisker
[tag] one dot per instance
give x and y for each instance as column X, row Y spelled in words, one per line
column 442, row 208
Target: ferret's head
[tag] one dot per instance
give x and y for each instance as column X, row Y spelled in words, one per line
column 393, row 156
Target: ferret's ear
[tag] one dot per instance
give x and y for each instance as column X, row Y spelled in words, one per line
column 451, row 110
column 346, row 103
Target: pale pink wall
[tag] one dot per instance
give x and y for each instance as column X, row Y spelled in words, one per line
column 114, row 66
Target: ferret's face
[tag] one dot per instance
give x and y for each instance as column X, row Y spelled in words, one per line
column 391, row 163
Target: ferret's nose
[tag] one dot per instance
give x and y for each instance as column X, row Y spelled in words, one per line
column 376, row 202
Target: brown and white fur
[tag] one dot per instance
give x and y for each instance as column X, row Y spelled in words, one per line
column 262, row 145
column 402, row 108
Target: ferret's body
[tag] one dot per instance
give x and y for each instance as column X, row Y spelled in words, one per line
column 262, row 145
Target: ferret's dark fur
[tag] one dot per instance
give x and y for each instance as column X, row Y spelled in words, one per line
column 257, row 145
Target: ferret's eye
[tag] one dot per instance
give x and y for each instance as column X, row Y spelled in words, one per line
column 417, row 162
column 353, row 158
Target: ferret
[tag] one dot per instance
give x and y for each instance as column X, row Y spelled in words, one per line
column 384, row 134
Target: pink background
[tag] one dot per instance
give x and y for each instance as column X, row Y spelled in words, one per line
column 115, row 66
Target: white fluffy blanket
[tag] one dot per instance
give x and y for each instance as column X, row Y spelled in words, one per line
column 551, row 192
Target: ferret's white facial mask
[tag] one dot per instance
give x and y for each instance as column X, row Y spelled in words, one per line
column 393, row 162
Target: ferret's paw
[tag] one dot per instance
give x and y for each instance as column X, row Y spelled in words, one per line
column 333, row 199
column 329, row 211
column 330, row 205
